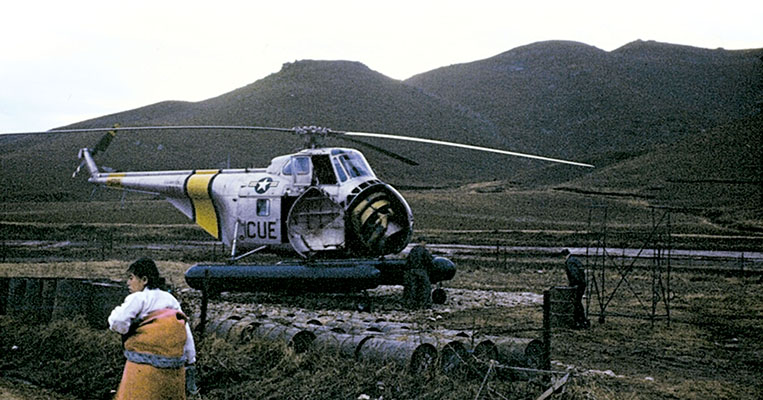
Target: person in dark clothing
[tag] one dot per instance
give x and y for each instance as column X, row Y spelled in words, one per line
column 416, row 285
column 576, row 279
column 420, row 258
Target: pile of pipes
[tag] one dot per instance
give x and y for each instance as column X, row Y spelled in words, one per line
column 453, row 352
column 50, row 299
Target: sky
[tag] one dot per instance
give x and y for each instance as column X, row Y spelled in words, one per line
column 66, row 61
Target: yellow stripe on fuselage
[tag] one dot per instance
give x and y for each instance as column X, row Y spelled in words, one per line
column 198, row 189
column 115, row 180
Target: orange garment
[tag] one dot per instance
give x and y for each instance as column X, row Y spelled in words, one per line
column 162, row 336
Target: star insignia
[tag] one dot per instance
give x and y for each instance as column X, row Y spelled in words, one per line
column 263, row 185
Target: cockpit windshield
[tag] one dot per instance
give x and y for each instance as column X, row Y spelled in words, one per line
column 353, row 164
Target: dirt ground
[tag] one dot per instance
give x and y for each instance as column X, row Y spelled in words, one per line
column 710, row 348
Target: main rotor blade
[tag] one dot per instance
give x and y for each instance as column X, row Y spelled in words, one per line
column 383, row 151
column 305, row 130
column 148, row 128
column 463, row 146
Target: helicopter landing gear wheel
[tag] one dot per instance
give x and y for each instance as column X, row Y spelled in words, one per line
column 439, row 296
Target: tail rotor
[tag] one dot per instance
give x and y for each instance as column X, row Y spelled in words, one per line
column 86, row 155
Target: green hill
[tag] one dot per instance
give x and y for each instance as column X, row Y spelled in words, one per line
column 717, row 174
column 337, row 94
column 648, row 115
column 585, row 102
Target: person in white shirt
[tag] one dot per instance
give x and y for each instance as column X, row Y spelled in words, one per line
column 158, row 341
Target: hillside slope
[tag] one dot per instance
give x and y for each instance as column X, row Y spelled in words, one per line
column 337, row 94
column 585, row 101
column 643, row 114
column 717, row 174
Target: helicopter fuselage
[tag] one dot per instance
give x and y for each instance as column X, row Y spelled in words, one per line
column 316, row 201
column 325, row 204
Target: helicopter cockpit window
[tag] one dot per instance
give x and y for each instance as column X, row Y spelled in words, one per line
column 263, row 207
column 340, row 171
column 354, row 165
column 300, row 165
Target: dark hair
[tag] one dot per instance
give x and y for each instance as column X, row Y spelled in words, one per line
column 145, row 267
column 565, row 252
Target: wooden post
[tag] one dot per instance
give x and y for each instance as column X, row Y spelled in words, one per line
column 561, row 307
column 546, row 330
column 4, row 294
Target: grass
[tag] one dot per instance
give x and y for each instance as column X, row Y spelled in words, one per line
column 108, row 270
column 62, row 356
column 460, row 215
column 710, row 349
column 83, row 363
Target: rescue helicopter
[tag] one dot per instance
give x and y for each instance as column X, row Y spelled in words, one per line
column 325, row 204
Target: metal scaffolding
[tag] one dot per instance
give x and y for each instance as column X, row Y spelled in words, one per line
column 638, row 280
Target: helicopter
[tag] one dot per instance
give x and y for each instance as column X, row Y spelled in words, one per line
column 325, row 204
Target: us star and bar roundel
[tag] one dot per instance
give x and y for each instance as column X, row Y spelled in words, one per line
column 263, row 185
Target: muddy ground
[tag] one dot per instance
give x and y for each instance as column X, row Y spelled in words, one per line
column 705, row 342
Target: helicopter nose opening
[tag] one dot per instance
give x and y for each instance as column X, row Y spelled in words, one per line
column 315, row 223
column 379, row 221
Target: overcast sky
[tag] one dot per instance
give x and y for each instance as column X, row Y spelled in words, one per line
column 66, row 61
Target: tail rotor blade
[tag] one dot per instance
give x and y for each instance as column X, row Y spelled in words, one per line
column 105, row 141
column 76, row 171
